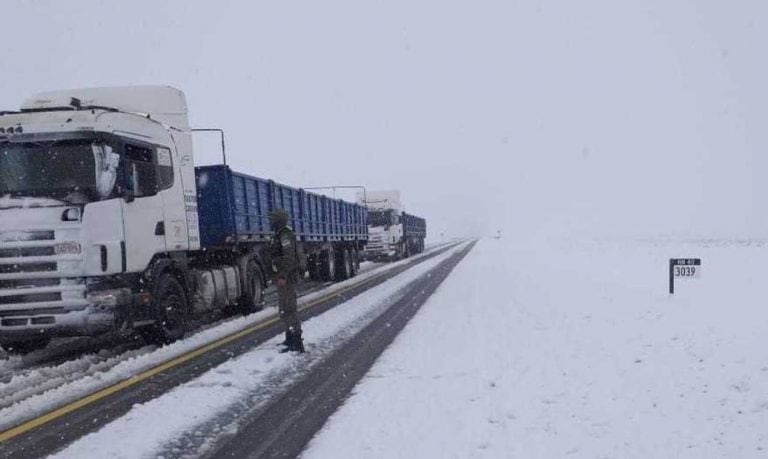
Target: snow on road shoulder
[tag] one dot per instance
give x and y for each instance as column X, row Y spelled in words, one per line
column 241, row 383
column 572, row 350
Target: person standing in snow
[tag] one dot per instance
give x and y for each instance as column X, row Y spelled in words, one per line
column 285, row 269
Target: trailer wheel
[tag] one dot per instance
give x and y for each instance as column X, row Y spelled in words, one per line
column 253, row 294
column 344, row 264
column 328, row 265
column 313, row 268
column 24, row 347
column 355, row 262
column 170, row 304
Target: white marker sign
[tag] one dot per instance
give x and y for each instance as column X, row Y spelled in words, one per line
column 683, row 268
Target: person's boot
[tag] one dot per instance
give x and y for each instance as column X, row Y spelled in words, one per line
column 295, row 343
column 298, row 343
column 287, row 340
column 288, row 343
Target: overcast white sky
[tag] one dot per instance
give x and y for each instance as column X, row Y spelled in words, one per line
column 597, row 117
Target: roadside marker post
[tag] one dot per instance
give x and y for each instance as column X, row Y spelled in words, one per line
column 683, row 268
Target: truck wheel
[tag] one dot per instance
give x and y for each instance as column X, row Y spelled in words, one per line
column 25, row 347
column 344, row 264
column 355, row 262
column 252, row 299
column 328, row 265
column 313, row 268
column 170, row 304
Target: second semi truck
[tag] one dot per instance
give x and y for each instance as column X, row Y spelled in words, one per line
column 393, row 233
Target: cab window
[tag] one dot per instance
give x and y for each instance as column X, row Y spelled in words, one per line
column 140, row 171
column 164, row 168
column 147, row 169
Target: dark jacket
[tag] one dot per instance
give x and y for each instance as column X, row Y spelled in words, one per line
column 283, row 253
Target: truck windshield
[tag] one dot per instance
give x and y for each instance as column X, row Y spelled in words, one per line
column 73, row 171
column 380, row 217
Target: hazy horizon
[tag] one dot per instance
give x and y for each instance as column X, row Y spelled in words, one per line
column 545, row 117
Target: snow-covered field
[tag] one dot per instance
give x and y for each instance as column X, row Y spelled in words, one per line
column 567, row 349
column 187, row 419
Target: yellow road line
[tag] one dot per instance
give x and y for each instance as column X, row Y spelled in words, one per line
column 133, row 380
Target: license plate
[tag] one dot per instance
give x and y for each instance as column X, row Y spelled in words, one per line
column 67, row 248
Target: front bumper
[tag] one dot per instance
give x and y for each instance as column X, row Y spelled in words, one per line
column 46, row 261
column 97, row 317
column 88, row 321
column 379, row 255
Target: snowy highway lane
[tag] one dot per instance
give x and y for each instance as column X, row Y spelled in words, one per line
column 65, row 350
column 40, row 374
column 564, row 349
column 222, row 340
column 196, row 414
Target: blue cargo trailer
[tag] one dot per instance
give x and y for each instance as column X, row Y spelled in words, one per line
column 233, row 209
column 414, row 226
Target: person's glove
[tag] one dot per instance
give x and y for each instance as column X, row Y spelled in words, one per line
column 281, row 281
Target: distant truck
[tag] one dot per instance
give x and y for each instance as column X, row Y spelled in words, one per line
column 392, row 233
column 106, row 223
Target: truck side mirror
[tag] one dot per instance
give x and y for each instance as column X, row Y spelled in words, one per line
column 128, row 195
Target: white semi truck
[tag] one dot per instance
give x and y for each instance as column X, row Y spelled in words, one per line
column 106, row 223
column 393, row 233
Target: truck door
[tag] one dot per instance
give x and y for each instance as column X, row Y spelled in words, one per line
column 184, row 166
column 143, row 215
column 174, row 213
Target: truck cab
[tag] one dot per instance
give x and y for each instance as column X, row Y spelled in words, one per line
column 385, row 234
column 392, row 233
column 96, row 185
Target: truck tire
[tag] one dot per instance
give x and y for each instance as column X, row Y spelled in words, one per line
column 343, row 265
column 24, row 347
column 171, row 309
column 313, row 267
column 252, row 299
column 328, row 265
column 355, row 262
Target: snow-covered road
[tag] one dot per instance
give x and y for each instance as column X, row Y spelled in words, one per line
column 29, row 392
column 188, row 419
column 566, row 349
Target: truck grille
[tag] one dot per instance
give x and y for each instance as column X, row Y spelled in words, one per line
column 28, row 252
column 23, row 236
column 27, row 268
column 23, row 283
column 36, row 282
column 30, row 298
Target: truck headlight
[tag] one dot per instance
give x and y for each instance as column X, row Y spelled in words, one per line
column 110, row 297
